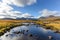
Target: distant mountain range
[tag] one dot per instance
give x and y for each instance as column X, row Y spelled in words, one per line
column 19, row 18
column 51, row 17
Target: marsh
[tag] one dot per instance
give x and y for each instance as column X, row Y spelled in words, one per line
column 30, row 32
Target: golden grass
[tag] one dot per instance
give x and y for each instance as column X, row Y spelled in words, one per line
column 6, row 25
column 56, row 25
column 49, row 24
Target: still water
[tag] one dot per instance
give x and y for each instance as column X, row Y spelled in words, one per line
column 30, row 32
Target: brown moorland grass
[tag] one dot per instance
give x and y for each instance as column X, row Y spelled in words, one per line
column 50, row 24
column 6, row 25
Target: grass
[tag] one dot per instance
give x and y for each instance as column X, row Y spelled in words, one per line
column 6, row 25
column 50, row 24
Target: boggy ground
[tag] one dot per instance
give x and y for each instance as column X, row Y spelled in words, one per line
column 6, row 25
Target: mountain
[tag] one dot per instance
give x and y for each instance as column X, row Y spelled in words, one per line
column 6, row 18
column 26, row 18
column 18, row 18
column 51, row 17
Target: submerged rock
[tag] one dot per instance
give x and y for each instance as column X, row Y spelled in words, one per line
column 50, row 37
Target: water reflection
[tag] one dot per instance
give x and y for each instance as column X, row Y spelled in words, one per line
column 30, row 32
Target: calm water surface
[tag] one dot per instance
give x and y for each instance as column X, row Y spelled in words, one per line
column 30, row 32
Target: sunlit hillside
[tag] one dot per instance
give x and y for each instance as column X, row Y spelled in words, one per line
column 52, row 23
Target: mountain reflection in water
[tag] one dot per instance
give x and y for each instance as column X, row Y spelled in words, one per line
column 30, row 32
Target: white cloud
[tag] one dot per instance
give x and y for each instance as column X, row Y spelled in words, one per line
column 20, row 15
column 47, row 12
column 6, row 9
column 26, row 15
column 23, row 3
column 20, row 3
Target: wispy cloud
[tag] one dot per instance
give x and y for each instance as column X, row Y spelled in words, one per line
column 46, row 12
column 7, row 11
column 20, row 3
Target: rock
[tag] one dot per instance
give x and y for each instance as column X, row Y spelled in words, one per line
column 30, row 35
column 50, row 37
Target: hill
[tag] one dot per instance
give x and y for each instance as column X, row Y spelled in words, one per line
column 50, row 22
column 19, row 18
column 51, row 17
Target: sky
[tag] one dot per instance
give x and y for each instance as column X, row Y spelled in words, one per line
column 29, row 8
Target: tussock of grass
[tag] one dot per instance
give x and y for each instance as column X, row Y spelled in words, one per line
column 6, row 25
column 49, row 24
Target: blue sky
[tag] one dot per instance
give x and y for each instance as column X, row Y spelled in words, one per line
column 39, row 5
